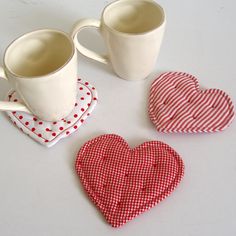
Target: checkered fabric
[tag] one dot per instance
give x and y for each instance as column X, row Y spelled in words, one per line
column 49, row 133
column 177, row 105
column 124, row 182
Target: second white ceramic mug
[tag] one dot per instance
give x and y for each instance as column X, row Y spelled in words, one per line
column 133, row 32
column 41, row 66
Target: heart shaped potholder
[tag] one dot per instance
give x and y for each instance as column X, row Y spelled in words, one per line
column 177, row 104
column 49, row 133
column 124, row 182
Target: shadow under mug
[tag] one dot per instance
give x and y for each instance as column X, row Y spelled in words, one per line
column 41, row 66
column 132, row 31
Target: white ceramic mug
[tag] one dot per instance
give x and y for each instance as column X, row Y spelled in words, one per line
column 42, row 67
column 132, row 31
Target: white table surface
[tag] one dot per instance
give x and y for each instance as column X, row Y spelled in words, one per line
column 40, row 193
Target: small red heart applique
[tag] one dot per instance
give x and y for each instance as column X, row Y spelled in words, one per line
column 124, row 182
column 178, row 105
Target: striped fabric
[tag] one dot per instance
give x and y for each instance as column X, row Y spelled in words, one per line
column 177, row 105
column 124, row 182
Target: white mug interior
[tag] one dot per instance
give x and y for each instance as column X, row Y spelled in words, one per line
column 39, row 53
column 133, row 16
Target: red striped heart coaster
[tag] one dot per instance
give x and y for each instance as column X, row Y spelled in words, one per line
column 178, row 105
column 49, row 133
column 124, row 182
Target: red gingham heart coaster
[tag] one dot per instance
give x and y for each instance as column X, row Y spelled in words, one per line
column 176, row 104
column 49, row 133
column 124, row 182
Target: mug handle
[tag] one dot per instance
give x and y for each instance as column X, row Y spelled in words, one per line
column 11, row 106
column 81, row 24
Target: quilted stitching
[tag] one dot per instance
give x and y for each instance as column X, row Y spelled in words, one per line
column 176, row 104
column 124, row 182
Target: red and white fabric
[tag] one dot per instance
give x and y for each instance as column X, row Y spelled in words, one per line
column 178, row 105
column 49, row 133
column 124, row 182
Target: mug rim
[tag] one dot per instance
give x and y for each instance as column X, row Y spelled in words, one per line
column 134, row 34
column 73, row 51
